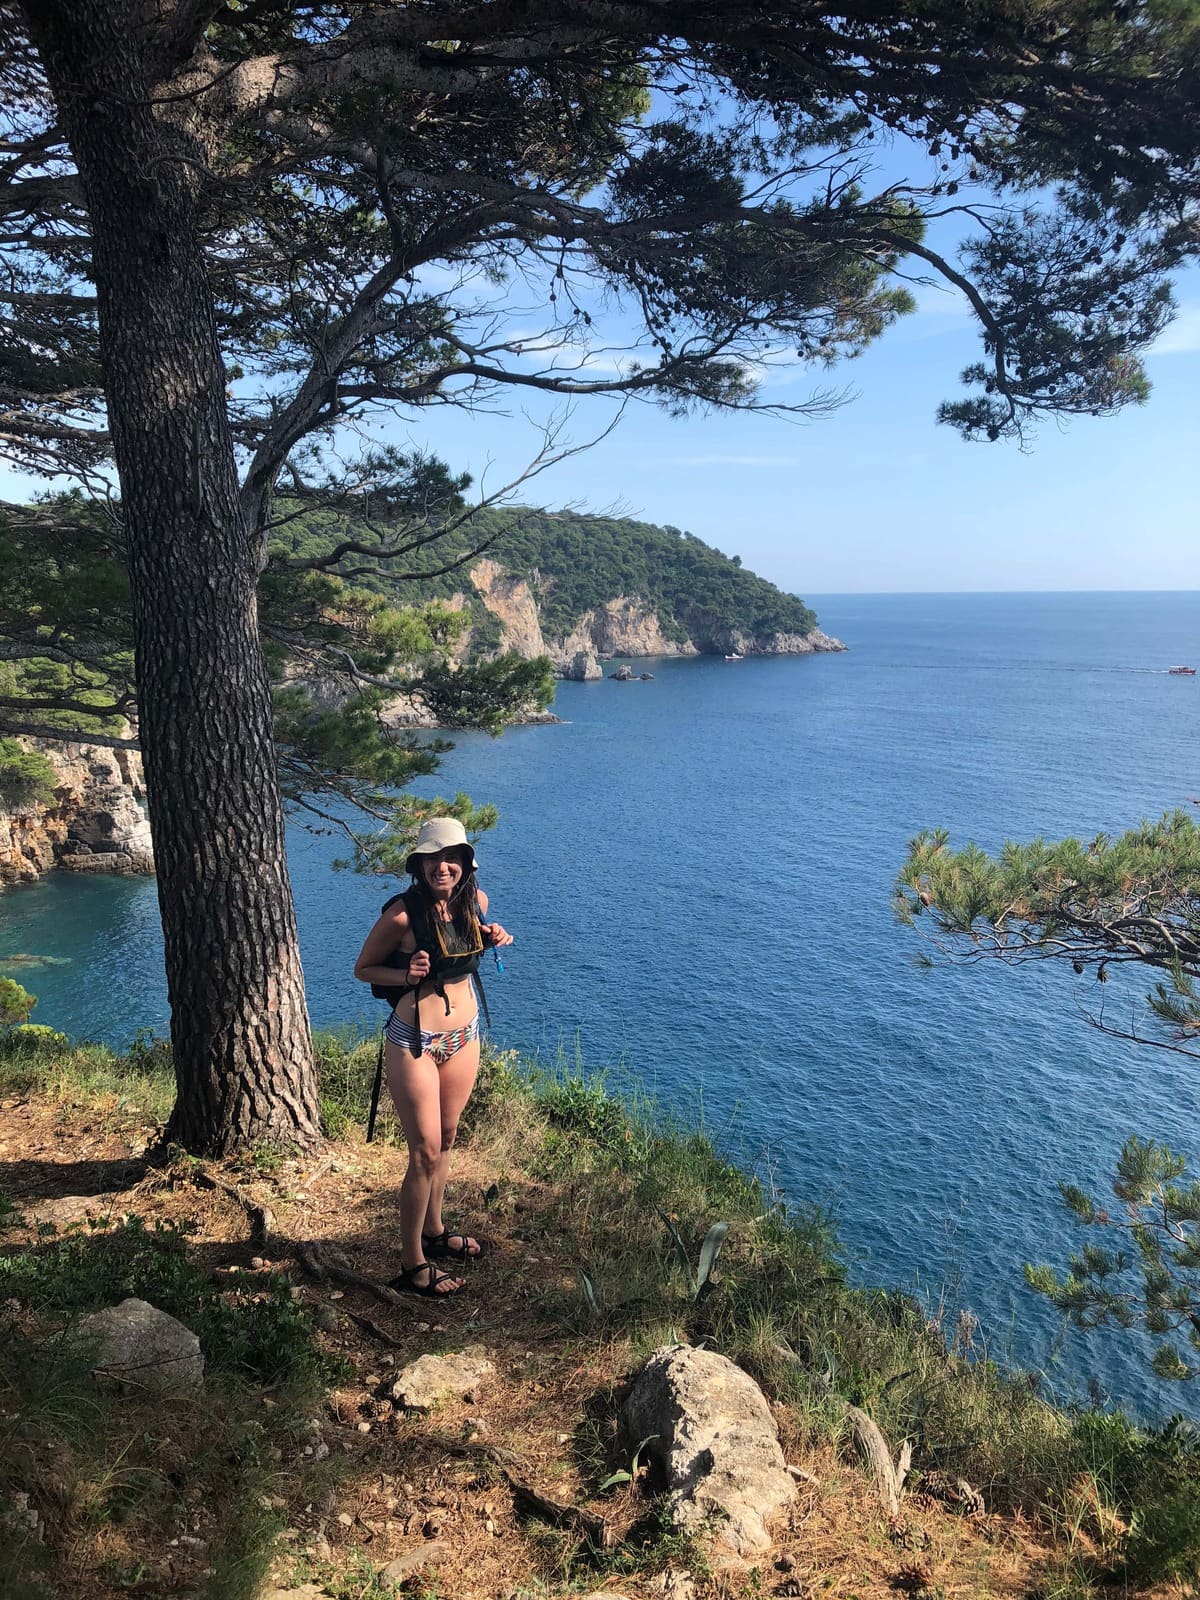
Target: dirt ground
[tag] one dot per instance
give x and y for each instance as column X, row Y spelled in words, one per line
column 443, row 1488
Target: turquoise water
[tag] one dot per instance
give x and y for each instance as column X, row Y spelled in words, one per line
column 698, row 870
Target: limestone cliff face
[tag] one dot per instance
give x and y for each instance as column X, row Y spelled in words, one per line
column 511, row 600
column 626, row 626
column 94, row 824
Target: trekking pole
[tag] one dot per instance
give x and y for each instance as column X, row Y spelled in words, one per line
column 375, row 1092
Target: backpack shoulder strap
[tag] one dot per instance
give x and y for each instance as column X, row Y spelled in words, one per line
column 418, row 917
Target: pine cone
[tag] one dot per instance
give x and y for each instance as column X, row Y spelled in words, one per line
column 913, row 1578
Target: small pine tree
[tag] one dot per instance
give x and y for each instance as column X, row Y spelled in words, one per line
column 27, row 777
column 1090, row 905
column 16, row 1004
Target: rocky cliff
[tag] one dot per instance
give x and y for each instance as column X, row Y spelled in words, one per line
column 95, row 822
column 625, row 626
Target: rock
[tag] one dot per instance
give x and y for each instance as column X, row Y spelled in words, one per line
column 583, row 667
column 118, row 862
column 429, row 1379
column 717, row 1439
column 676, row 1585
column 22, row 1517
column 424, row 1555
column 136, row 1346
column 511, row 600
column 93, row 823
column 625, row 626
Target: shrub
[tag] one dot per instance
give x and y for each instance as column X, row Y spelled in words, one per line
column 27, row 777
column 37, row 1036
column 1151, row 1479
column 15, row 1003
column 268, row 1337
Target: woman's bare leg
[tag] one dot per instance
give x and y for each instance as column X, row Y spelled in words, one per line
column 415, row 1090
column 456, row 1079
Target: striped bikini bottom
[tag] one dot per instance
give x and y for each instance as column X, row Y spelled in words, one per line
column 441, row 1046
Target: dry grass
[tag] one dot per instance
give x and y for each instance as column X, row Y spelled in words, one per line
column 241, row 1471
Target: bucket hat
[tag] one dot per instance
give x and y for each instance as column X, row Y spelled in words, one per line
column 436, row 835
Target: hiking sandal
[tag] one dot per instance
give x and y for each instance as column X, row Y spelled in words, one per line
column 406, row 1282
column 439, row 1247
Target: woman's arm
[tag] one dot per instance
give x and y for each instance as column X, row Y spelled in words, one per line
column 492, row 931
column 388, row 935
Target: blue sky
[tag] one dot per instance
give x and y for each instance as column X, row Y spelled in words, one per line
column 878, row 497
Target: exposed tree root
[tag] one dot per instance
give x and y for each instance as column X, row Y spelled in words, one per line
column 372, row 1328
column 595, row 1529
column 323, row 1261
column 262, row 1218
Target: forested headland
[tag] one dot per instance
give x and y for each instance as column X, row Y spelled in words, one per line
column 573, row 564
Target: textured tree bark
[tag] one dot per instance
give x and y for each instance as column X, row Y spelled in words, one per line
column 239, row 1024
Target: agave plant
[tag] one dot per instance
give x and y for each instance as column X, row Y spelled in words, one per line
column 709, row 1251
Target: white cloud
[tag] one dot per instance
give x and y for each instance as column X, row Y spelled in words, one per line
column 942, row 300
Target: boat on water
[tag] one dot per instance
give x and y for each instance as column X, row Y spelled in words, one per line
column 735, row 657
column 1176, row 672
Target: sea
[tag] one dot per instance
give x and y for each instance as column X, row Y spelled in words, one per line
column 698, row 870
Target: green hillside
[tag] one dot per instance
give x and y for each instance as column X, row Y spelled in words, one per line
column 575, row 563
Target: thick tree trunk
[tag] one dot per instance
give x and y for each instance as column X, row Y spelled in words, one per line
column 239, row 1025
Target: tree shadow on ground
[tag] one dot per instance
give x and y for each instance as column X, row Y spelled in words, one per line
column 34, row 1181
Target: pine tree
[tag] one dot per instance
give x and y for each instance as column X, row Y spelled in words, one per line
column 221, row 222
column 1091, row 907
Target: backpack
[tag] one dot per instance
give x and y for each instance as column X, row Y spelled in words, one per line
column 442, row 967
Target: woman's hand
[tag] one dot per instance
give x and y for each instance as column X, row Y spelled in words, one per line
column 496, row 934
column 418, row 966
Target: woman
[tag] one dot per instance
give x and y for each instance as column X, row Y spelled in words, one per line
column 436, row 931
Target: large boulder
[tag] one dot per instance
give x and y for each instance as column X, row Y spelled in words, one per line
column 710, row 1426
column 135, row 1346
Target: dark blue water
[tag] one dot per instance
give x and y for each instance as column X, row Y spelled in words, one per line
column 698, row 871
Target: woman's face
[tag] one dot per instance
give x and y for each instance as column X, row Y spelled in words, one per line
column 443, row 872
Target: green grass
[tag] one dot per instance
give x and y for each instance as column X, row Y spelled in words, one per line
column 139, row 1085
column 779, row 1285
column 264, row 1336
column 608, row 1173
column 101, row 1466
